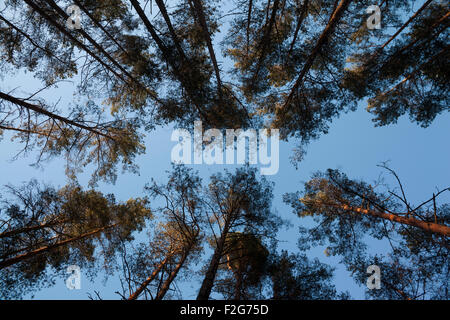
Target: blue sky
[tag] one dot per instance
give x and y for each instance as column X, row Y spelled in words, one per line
column 420, row 156
column 353, row 145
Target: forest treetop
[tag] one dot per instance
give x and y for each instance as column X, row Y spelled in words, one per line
column 291, row 65
column 287, row 64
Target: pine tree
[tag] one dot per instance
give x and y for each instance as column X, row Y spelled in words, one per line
column 48, row 228
column 178, row 237
column 350, row 212
column 238, row 202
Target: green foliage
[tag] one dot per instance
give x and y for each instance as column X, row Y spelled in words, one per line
column 296, row 66
column 295, row 277
column 416, row 267
column 38, row 216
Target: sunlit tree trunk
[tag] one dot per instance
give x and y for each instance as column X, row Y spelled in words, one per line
column 40, row 110
column 28, row 255
column 147, row 281
column 166, row 285
column 426, row 226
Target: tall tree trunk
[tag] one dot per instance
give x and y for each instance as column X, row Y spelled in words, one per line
column 426, row 226
column 265, row 42
column 147, row 281
column 166, row 285
column 334, row 9
column 100, row 49
column 87, row 50
column 72, row 38
column 301, row 18
column 27, row 229
column 343, row 5
column 208, row 281
column 98, row 24
column 51, row 115
column 15, row 252
column 201, row 16
column 176, row 40
column 238, row 285
column 28, row 255
column 167, row 56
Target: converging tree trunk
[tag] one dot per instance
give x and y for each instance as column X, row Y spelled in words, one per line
column 208, row 281
column 147, row 281
column 11, row 233
column 166, row 285
column 337, row 15
column 40, row 110
column 426, row 226
column 28, row 255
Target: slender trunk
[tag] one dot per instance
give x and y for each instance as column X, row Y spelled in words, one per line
column 334, row 9
column 208, row 281
column 72, row 38
column 147, row 281
column 412, row 74
column 28, row 255
column 249, row 19
column 238, row 285
column 106, row 54
column 202, row 19
column 48, row 52
column 265, row 42
column 63, row 14
column 167, row 56
column 51, row 115
column 27, row 229
column 78, row 3
column 87, row 50
column 301, row 18
column 426, row 226
column 15, row 252
column 343, row 5
column 406, row 23
column 174, row 36
column 150, row 28
column 166, row 285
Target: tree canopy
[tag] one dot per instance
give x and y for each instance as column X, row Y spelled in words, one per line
column 288, row 65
